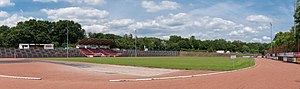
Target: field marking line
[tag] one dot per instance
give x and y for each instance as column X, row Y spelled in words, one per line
column 180, row 77
column 19, row 77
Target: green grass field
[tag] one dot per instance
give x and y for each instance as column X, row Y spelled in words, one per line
column 188, row 63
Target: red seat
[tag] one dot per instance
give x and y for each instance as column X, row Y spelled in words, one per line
column 86, row 51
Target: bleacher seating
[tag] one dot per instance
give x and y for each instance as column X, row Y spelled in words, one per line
column 38, row 53
column 43, row 53
column 110, row 52
column 105, row 52
column 86, row 51
column 131, row 53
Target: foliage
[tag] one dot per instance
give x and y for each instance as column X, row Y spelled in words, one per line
column 39, row 31
column 176, row 43
column 290, row 37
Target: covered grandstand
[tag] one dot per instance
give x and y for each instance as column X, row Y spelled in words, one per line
column 93, row 47
column 287, row 52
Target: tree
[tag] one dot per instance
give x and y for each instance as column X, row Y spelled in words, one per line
column 4, row 30
column 194, row 43
column 60, row 28
column 39, row 31
column 175, row 39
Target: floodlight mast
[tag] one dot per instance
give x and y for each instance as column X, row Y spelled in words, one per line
column 295, row 26
column 135, row 47
column 271, row 28
column 67, row 41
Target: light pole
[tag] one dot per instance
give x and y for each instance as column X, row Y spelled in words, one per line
column 295, row 31
column 135, row 47
column 271, row 28
column 67, row 41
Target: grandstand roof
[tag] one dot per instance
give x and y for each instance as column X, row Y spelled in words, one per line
column 95, row 41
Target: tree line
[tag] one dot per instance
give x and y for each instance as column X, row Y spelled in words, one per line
column 290, row 37
column 176, row 43
column 40, row 31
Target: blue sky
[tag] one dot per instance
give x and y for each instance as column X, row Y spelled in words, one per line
column 245, row 20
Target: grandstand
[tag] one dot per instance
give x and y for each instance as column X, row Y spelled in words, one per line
column 93, row 47
column 131, row 53
column 287, row 52
column 87, row 47
column 38, row 53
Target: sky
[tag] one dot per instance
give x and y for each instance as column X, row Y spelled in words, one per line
column 245, row 20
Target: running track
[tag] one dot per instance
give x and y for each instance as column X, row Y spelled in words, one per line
column 268, row 74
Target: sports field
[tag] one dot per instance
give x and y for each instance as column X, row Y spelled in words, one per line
column 187, row 63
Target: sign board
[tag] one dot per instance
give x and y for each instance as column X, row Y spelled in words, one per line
column 297, row 54
column 220, row 51
column 290, row 59
column 290, row 54
column 285, row 59
column 246, row 56
column 233, row 56
column 90, row 56
column 298, row 60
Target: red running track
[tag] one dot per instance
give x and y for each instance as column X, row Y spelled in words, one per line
column 268, row 74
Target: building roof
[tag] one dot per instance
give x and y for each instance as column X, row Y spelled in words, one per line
column 95, row 41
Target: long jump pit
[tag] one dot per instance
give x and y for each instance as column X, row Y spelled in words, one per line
column 73, row 75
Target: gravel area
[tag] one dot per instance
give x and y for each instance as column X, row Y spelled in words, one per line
column 117, row 69
column 103, row 68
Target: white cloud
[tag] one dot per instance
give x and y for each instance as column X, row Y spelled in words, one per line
column 152, row 6
column 266, row 38
column 256, row 40
column 4, row 3
column 185, row 25
column 119, row 27
column 3, row 14
column 243, row 31
column 44, row 1
column 77, row 14
column 95, row 28
column 264, row 27
column 88, row 2
column 120, row 23
column 259, row 18
column 12, row 20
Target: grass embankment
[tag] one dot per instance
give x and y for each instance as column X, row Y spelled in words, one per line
column 188, row 63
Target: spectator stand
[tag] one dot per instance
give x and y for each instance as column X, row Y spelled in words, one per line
column 93, row 47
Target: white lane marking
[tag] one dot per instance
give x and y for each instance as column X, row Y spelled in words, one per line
column 19, row 77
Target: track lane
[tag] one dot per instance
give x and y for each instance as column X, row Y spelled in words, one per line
column 268, row 74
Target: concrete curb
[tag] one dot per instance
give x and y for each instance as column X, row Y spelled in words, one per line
column 19, row 77
column 179, row 77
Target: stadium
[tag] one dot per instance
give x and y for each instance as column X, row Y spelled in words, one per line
column 76, row 47
column 93, row 63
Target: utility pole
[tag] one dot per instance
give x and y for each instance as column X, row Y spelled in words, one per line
column 135, row 47
column 67, row 41
column 271, row 28
column 295, row 31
